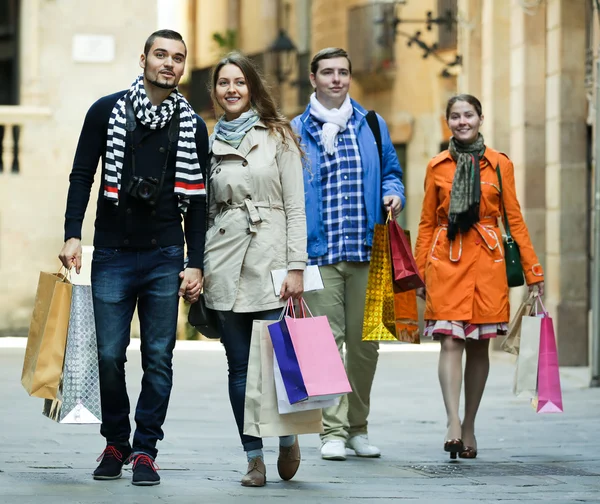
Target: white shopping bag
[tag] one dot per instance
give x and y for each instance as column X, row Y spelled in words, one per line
column 527, row 362
column 283, row 403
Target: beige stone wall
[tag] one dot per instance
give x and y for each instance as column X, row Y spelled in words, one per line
column 530, row 69
column 32, row 203
column 527, row 122
column 496, row 68
column 527, row 68
column 470, row 46
column 566, row 179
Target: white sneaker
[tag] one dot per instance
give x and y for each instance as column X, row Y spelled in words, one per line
column 335, row 449
column 360, row 444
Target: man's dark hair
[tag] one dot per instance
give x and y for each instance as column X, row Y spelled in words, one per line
column 168, row 34
column 329, row 53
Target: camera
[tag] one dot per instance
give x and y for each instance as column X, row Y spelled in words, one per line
column 145, row 189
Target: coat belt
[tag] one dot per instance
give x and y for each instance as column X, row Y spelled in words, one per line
column 251, row 208
column 485, row 227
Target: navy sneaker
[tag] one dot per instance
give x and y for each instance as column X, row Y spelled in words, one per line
column 144, row 470
column 111, row 462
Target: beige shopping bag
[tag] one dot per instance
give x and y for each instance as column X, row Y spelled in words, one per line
column 529, row 350
column 261, row 415
column 47, row 339
column 512, row 341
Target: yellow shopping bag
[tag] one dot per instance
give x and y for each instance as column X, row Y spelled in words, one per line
column 388, row 315
column 379, row 322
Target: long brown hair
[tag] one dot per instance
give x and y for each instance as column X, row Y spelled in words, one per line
column 260, row 96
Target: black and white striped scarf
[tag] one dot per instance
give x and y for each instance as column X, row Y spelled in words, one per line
column 188, row 175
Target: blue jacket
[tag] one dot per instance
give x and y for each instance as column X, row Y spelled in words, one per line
column 374, row 187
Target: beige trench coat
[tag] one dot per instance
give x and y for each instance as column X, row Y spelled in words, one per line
column 257, row 221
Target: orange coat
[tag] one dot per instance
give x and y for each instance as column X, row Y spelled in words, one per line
column 466, row 279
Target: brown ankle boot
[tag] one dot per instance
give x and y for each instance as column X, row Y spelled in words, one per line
column 288, row 461
column 256, row 475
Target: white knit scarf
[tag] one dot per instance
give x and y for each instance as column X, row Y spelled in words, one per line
column 334, row 120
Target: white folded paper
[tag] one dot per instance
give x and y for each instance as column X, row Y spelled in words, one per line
column 312, row 279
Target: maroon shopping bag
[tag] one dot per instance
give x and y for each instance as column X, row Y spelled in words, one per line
column 405, row 273
column 549, row 396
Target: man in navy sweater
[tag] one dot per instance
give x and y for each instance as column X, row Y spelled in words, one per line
column 153, row 149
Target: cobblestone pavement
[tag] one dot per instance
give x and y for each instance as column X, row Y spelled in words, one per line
column 523, row 456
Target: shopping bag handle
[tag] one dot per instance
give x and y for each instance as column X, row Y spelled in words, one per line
column 286, row 309
column 304, row 308
column 66, row 276
column 289, row 311
column 538, row 299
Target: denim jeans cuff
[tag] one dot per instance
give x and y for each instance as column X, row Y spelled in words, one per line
column 253, row 445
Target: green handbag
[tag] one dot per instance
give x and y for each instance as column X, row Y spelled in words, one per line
column 512, row 256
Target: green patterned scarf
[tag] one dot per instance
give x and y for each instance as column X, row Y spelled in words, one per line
column 466, row 188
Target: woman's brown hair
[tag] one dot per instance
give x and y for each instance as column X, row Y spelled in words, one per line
column 470, row 99
column 260, row 96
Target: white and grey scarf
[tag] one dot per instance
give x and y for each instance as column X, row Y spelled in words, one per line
column 188, row 175
column 334, row 120
column 233, row 132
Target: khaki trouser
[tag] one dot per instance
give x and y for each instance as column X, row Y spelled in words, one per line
column 343, row 302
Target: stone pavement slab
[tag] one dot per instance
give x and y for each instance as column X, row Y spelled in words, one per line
column 523, row 456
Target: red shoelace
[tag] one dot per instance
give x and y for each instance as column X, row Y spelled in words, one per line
column 143, row 459
column 110, row 451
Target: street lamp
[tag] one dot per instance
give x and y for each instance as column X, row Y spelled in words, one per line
column 284, row 51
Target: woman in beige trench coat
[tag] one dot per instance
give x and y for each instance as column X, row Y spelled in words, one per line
column 257, row 224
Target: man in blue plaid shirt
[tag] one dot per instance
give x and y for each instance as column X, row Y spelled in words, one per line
column 347, row 192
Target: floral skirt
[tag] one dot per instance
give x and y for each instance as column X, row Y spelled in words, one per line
column 463, row 330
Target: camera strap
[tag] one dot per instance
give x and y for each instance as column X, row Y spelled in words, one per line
column 173, row 135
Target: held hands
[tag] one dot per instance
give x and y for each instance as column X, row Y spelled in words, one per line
column 539, row 286
column 70, row 255
column 293, row 285
column 393, row 203
column 191, row 284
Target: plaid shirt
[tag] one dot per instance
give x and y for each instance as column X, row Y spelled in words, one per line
column 344, row 212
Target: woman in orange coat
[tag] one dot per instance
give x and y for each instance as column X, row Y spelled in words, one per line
column 459, row 252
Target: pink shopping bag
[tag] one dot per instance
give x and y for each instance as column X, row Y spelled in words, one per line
column 549, row 396
column 319, row 360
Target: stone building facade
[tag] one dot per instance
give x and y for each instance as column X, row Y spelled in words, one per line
column 64, row 55
column 525, row 59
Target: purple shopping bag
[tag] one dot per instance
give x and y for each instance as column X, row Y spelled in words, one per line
column 549, row 396
column 287, row 362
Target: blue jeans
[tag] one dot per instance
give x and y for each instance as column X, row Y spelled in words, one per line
column 120, row 280
column 236, row 333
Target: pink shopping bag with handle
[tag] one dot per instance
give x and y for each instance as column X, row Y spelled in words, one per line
column 549, row 395
column 317, row 354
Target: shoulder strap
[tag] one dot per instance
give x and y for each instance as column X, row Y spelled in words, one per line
column 207, row 190
column 506, row 226
column 130, row 121
column 373, row 123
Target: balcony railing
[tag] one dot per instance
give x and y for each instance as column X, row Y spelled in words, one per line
column 12, row 119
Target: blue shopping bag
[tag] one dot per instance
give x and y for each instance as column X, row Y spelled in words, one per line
column 288, row 362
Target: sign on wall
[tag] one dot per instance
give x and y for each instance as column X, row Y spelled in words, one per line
column 93, row 48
